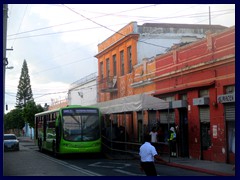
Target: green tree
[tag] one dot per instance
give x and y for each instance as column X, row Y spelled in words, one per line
column 24, row 93
column 7, row 122
column 14, row 120
column 29, row 112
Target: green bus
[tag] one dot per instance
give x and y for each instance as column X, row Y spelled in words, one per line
column 71, row 129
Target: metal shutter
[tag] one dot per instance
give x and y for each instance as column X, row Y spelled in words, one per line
column 230, row 112
column 204, row 114
column 152, row 117
column 164, row 116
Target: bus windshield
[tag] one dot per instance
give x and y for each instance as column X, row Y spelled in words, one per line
column 81, row 127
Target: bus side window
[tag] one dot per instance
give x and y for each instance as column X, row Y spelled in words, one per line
column 36, row 127
column 44, row 127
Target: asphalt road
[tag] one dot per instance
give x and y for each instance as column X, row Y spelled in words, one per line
column 30, row 162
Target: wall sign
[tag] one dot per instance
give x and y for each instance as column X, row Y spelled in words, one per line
column 226, row 98
column 214, row 130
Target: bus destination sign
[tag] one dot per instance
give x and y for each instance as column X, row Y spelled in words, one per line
column 79, row 111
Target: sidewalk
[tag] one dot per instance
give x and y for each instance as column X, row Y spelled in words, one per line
column 25, row 139
column 209, row 167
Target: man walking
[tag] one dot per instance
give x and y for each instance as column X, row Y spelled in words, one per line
column 148, row 154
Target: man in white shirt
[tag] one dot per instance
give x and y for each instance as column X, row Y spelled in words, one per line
column 148, row 153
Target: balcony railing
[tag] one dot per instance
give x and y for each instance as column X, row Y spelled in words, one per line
column 108, row 84
column 84, row 80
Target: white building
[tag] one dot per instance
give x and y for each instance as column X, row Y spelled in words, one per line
column 84, row 91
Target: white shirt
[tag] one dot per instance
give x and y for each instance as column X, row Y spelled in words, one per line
column 153, row 136
column 147, row 152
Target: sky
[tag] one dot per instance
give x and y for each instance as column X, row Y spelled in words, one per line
column 59, row 41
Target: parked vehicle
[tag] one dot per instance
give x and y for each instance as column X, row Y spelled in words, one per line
column 11, row 142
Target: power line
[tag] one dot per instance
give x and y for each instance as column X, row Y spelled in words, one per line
column 22, row 18
column 109, row 28
column 154, row 18
column 47, row 34
column 51, row 94
column 216, row 16
column 62, row 65
column 39, row 29
column 77, row 21
column 20, row 25
column 118, row 13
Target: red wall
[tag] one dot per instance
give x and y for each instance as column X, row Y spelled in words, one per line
column 207, row 63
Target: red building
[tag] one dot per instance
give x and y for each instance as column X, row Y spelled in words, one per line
column 199, row 81
column 196, row 77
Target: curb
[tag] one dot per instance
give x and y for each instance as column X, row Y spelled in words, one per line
column 199, row 169
column 25, row 140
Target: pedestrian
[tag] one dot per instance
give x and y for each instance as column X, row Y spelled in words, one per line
column 153, row 134
column 148, row 154
column 172, row 141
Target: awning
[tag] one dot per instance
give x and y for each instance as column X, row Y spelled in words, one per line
column 132, row 103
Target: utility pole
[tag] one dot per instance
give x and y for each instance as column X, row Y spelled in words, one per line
column 5, row 61
column 209, row 16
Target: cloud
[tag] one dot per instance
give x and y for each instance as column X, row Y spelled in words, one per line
column 62, row 50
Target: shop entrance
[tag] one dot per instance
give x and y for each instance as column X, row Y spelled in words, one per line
column 183, row 133
column 205, row 133
column 230, row 129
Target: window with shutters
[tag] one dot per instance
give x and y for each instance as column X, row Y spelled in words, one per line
column 122, row 62
column 129, row 59
column 114, row 65
column 204, row 93
column 108, row 67
column 101, row 70
column 230, row 89
column 183, row 97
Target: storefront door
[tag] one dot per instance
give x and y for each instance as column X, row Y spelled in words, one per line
column 183, row 133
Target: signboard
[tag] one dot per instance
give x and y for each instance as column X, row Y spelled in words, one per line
column 214, row 131
column 201, row 101
column 79, row 111
column 179, row 104
column 226, row 98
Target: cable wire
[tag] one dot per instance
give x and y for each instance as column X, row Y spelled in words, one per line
column 111, row 29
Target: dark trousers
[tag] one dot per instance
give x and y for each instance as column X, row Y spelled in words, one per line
column 149, row 168
column 172, row 147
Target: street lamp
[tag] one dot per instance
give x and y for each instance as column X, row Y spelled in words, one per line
column 9, row 67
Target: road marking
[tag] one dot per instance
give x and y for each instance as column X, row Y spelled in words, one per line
column 128, row 173
column 76, row 168
column 110, row 165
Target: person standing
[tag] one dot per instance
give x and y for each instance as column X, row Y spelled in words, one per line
column 148, row 154
column 172, row 142
column 153, row 134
